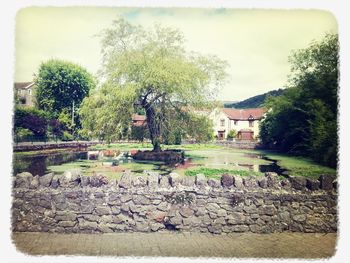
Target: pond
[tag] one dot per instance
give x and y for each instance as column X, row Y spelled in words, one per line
column 113, row 166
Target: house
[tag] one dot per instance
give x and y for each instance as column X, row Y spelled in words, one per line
column 244, row 121
column 138, row 120
column 24, row 92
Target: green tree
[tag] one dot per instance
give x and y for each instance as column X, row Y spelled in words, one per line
column 60, row 84
column 148, row 70
column 303, row 120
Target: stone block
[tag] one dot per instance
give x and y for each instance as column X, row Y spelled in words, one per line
column 34, row 183
column 188, row 181
column 250, row 182
column 200, row 211
column 240, row 228
column 212, row 207
column 65, row 216
column 125, row 180
column 55, row 182
column 185, row 211
column 153, row 180
column 156, row 226
column 164, row 182
column 98, row 180
column 312, row 184
column 70, row 178
column 23, row 180
column 67, row 223
column 267, row 210
column 215, row 229
column 163, row 206
column 299, row 217
column 238, row 181
column 221, row 212
column 201, row 180
column 227, row 180
column 214, row 183
column 140, row 200
column 175, row 179
column 297, row 182
column 103, row 210
column 87, row 225
column 272, row 179
column 235, row 218
column 46, row 179
column 105, row 228
column 262, row 182
column 139, row 181
column 326, row 182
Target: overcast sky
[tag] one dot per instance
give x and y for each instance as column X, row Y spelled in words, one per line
column 256, row 43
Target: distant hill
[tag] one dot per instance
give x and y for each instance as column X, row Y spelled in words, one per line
column 254, row 102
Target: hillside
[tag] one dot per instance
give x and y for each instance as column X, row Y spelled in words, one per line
column 254, row 102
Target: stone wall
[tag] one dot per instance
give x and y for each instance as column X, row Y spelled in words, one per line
column 74, row 203
column 38, row 146
column 239, row 144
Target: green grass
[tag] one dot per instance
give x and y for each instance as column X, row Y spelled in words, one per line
column 216, row 173
column 121, row 146
column 298, row 166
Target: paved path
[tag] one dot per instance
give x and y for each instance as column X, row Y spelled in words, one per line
column 277, row 245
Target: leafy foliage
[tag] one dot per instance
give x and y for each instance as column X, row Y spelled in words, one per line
column 303, row 120
column 31, row 119
column 232, row 134
column 256, row 101
column 215, row 172
column 148, row 71
column 59, row 84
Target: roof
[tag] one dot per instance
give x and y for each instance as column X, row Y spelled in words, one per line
column 244, row 114
column 23, row 85
column 137, row 117
column 138, row 120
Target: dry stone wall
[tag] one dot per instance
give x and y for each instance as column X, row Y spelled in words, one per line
column 74, row 203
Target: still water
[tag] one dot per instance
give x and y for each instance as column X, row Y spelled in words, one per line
column 39, row 164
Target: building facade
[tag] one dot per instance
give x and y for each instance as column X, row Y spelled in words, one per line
column 24, row 92
column 244, row 121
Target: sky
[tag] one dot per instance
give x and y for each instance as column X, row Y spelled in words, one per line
column 255, row 42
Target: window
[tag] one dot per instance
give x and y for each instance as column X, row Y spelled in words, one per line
column 29, row 91
column 235, row 122
column 251, row 123
column 222, row 122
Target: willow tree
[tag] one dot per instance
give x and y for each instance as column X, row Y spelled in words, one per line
column 149, row 69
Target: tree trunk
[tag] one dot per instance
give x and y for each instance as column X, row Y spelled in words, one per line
column 153, row 127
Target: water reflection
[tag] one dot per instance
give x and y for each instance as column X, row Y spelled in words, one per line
column 38, row 164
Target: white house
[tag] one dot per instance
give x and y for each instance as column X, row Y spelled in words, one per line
column 25, row 93
column 244, row 121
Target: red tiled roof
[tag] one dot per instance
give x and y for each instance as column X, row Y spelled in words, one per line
column 137, row 117
column 244, row 114
column 23, row 85
column 138, row 120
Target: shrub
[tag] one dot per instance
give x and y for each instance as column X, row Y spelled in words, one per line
column 23, row 134
column 66, row 136
column 232, row 134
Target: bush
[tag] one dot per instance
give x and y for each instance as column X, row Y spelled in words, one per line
column 23, row 134
column 66, row 136
column 232, row 134
column 31, row 119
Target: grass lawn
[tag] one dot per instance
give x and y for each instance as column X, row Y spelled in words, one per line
column 298, row 166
